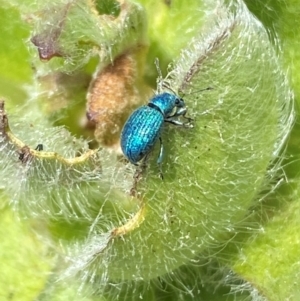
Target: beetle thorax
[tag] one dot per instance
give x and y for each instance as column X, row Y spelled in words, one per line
column 165, row 102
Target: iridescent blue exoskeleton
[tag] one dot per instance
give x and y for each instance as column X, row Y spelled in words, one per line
column 143, row 128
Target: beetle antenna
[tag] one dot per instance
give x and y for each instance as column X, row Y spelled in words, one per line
column 167, row 85
column 159, row 81
column 201, row 90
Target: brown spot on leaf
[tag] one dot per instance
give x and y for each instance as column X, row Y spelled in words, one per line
column 3, row 119
column 112, row 96
column 47, row 41
column 25, row 154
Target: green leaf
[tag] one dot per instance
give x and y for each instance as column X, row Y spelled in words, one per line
column 25, row 261
column 172, row 24
column 15, row 69
column 270, row 262
column 214, row 172
column 110, row 7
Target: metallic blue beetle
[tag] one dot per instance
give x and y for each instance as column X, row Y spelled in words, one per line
column 143, row 128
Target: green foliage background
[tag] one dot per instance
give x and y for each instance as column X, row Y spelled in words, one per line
column 264, row 265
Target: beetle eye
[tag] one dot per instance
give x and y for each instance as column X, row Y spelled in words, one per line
column 177, row 101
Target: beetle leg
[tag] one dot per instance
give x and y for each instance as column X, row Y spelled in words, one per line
column 174, row 121
column 179, row 112
column 189, row 119
column 182, row 112
column 160, row 157
column 179, row 123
